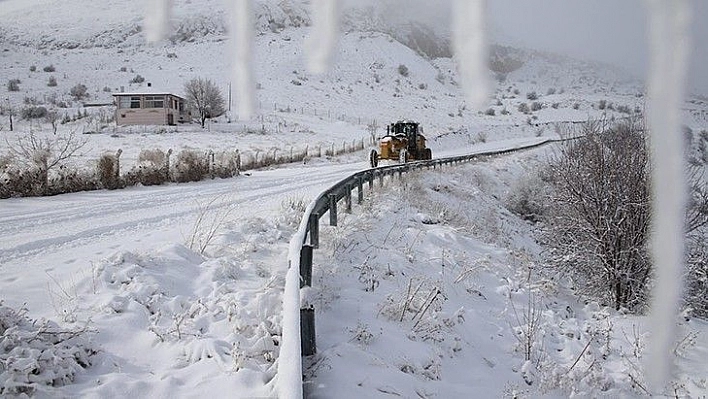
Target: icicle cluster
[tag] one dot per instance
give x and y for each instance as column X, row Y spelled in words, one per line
column 669, row 42
column 242, row 39
column 470, row 46
column 157, row 19
column 322, row 41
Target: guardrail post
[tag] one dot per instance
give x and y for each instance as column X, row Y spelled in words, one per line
column 360, row 190
column 306, row 266
column 381, row 179
column 348, row 199
column 371, row 181
column 307, row 332
column 314, row 225
column 333, row 209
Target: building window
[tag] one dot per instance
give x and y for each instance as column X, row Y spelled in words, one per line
column 128, row 102
column 154, row 101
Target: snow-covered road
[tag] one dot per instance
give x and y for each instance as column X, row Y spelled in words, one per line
column 59, row 237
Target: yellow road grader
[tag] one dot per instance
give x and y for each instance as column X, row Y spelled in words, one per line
column 403, row 142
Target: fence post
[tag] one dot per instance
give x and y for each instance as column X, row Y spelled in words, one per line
column 314, row 225
column 360, row 190
column 333, row 209
column 348, row 199
column 307, row 332
column 117, row 171
column 306, row 266
column 371, row 181
column 167, row 164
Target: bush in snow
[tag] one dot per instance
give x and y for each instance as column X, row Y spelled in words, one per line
column 33, row 112
column 403, row 70
column 49, row 68
column 70, row 179
column 38, row 158
column 524, row 108
column 13, row 85
column 79, row 92
column 226, row 164
column 52, row 82
column 191, row 165
column 137, row 79
column 151, row 169
column 528, row 198
column 532, row 96
column 536, row 106
column 35, row 354
column 15, row 181
column 107, row 171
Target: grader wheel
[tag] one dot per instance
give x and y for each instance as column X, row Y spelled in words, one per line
column 374, row 158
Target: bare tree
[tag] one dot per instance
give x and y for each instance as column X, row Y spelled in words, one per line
column 373, row 129
column 599, row 226
column 43, row 155
column 204, row 98
column 696, row 276
column 52, row 117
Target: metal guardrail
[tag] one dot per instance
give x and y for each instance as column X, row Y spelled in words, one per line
column 298, row 342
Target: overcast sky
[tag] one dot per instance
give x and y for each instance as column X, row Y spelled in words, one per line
column 611, row 31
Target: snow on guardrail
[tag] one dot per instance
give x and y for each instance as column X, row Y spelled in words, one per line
column 289, row 383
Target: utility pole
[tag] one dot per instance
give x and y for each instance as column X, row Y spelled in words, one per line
column 229, row 96
column 9, row 109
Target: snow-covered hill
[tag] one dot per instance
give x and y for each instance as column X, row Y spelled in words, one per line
column 376, row 76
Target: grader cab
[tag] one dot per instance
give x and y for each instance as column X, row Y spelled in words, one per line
column 403, row 142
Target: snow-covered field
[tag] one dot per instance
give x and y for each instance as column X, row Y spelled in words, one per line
column 176, row 291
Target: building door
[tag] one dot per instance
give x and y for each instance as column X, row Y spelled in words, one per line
column 170, row 119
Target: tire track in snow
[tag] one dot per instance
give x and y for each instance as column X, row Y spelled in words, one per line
column 80, row 222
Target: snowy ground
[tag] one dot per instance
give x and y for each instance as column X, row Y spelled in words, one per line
column 425, row 292
column 160, row 316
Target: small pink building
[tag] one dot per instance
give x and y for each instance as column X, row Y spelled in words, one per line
column 150, row 109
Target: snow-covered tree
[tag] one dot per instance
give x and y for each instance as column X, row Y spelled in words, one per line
column 602, row 218
column 600, row 226
column 204, row 99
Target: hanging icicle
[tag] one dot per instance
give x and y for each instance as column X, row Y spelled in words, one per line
column 669, row 42
column 470, row 46
column 241, row 25
column 157, row 20
column 322, row 41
